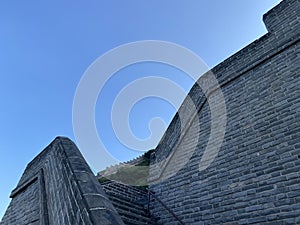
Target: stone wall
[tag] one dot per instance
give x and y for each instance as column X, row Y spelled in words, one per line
column 255, row 177
column 130, row 202
column 58, row 187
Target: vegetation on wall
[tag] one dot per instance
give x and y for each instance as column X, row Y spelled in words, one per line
column 135, row 175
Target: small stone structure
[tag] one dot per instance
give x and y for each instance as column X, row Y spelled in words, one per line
column 58, row 187
column 255, row 178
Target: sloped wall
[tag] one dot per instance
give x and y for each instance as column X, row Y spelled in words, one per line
column 256, row 176
column 58, row 187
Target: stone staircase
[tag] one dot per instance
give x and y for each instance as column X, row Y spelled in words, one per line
column 130, row 202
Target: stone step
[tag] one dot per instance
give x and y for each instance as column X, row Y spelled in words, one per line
column 118, row 202
column 130, row 202
column 125, row 189
column 130, row 218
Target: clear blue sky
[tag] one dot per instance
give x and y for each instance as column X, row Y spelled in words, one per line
column 45, row 47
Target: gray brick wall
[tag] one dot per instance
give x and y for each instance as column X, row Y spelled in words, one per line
column 30, row 213
column 58, row 187
column 255, row 178
column 131, row 202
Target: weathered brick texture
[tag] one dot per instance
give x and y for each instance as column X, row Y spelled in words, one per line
column 255, row 179
column 130, row 202
column 58, row 187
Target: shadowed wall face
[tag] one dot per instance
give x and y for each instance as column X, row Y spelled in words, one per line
column 30, row 197
column 58, row 187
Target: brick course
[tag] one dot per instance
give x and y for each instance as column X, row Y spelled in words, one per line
column 58, row 187
column 255, row 178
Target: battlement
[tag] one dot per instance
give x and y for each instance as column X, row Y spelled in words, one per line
column 283, row 18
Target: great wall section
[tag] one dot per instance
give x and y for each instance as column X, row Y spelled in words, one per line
column 254, row 179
